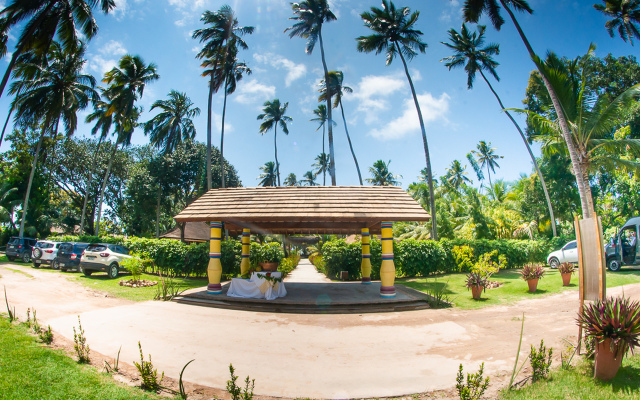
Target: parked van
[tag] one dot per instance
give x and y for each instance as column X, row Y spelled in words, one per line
column 623, row 248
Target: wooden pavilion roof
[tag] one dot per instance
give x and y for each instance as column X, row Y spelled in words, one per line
column 305, row 209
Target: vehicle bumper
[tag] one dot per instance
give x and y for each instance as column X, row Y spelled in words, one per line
column 91, row 266
column 39, row 261
column 68, row 263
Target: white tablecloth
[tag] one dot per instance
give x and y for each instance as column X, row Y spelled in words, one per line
column 256, row 287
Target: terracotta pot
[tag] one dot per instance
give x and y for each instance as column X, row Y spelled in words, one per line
column 269, row 266
column 476, row 291
column 533, row 285
column 566, row 278
column 606, row 365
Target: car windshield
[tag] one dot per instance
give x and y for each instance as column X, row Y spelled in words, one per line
column 96, row 247
column 66, row 247
column 44, row 245
column 79, row 247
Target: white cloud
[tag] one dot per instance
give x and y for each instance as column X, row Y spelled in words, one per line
column 432, row 108
column 452, row 12
column 250, row 92
column 372, row 94
column 113, row 48
column 217, row 123
column 121, row 8
column 110, row 52
column 294, row 71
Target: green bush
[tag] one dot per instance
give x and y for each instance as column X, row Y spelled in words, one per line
column 418, row 257
column 288, row 264
column 338, row 255
column 269, row 252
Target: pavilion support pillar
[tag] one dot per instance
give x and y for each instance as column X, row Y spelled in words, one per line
column 387, row 269
column 245, row 265
column 214, row 271
column 365, row 267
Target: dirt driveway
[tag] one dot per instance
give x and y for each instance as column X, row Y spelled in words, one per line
column 315, row 356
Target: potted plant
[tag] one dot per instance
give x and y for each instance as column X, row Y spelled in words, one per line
column 532, row 273
column 269, row 256
column 477, row 283
column 614, row 325
column 566, row 270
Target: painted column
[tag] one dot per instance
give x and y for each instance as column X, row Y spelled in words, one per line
column 388, row 269
column 365, row 267
column 214, row 271
column 246, row 247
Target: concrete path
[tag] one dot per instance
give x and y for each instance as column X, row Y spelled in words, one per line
column 305, row 272
column 290, row 355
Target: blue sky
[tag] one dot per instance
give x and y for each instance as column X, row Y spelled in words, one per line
column 381, row 117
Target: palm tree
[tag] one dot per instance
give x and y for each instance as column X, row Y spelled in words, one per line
column 291, row 180
column 498, row 191
column 626, row 17
column 321, row 165
column 221, row 37
column 394, row 35
column 485, row 156
column 126, row 85
column 456, row 175
column 592, row 121
column 272, row 116
column 309, row 179
column 43, row 19
column 473, row 10
column 336, row 88
column 169, row 128
column 469, row 51
column 311, row 14
column 268, row 175
column 54, row 93
column 322, row 119
column 382, row 176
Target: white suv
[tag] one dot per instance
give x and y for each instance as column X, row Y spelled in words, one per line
column 45, row 252
column 103, row 257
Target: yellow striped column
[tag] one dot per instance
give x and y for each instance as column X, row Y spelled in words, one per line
column 246, row 247
column 365, row 267
column 387, row 269
column 214, row 271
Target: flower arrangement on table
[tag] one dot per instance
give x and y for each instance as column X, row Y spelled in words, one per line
column 247, row 274
column 267, row 277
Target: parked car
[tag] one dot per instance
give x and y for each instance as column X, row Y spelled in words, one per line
column 20, row 247
column 568, row 253
column 44, row 253
column 103, row 257
column 623, row 248
column 69, row 255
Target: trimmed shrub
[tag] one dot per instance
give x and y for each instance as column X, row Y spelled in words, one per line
column 340, row 256
column 288, row 264
column 418, row 257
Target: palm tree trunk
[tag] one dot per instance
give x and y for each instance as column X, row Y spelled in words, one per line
column 432, row 200
column 489, row 175
column 350, row 145
column 102, row 189
column 584, row 189
column 275, row 146
column 533, row 158
column 209, row 133
column 332, row 161
column 324, row 167
column 86, row 195
column 158, row 213
column 25, row 204
column 5, row 125
column 224, row 110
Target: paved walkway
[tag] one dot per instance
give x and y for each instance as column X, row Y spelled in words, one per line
column 305, row 272
column 291, row 355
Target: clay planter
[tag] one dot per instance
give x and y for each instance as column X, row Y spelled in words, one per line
column 533, row 285
column 566, row 278
column 606, row 365
column 272, row 267
column 476, row 291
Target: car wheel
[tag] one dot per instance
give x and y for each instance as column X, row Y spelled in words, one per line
column 85, row 272
column 613, row 265
column 11, row 258
column 554, row 263
column 55, row 264
column 37, row 253
column 63, row 269
column 113, row 271
column 26, row 258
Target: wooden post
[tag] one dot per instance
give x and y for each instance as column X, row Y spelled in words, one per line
column 387, row 269
column 214, row 271
column 246, row 247
column 365, row 266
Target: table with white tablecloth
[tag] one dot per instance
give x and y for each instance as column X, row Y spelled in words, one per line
column 257, row 287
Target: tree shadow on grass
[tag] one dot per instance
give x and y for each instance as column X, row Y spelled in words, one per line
column 627, row 381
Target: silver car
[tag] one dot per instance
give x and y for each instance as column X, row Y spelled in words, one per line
column 568, row 253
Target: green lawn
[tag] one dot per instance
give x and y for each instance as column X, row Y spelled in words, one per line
column 578, row 383
column 513, row 289
column 30, row 370
column 3, row 258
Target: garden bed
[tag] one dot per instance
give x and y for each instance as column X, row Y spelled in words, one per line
column 138, row 283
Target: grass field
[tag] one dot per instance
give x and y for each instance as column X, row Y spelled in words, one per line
column 513, row 288
column 30, row 370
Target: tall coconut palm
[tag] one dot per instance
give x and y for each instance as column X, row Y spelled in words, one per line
column 322, row 119
column 311, row 15
column 291, row 180
column 472, row 11
column 309, row 179
column 456, row 176
column 486, row 157
column 336, row 89
column 395, row 36
column 221, row 36
column 268, row 175
column 625, row 16
column 381, row 176
column 469, row 52
column 272, row 116
column 169, row 128
column 321, row 165
column 55, row 93
column 43, row 20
